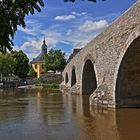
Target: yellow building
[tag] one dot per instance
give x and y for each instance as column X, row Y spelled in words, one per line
column 38, row 63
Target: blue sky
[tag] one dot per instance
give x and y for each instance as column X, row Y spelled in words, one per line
column 67, row 25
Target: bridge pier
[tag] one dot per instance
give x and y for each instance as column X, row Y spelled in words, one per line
column 75, row 89
column 102, row 97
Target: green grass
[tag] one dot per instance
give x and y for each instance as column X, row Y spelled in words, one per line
column 49, row 86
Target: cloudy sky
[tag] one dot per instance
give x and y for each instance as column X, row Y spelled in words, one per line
column 67, row 25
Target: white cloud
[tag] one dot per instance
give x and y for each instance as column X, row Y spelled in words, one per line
column 34, row 37
column 32, row 47
column 28, row 31
column 65, row 17
column 67, row 55
column 79, row 14
column 73, row 37
column 81, row 32
column 90, row 25
column 91, row 29
column 32, row 27
column 73, row 15
column 69, row 31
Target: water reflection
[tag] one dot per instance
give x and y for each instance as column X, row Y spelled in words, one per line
column 128, row 123
column 12, row 107
column 103, row 124
column 52, row 109
column 41, row 115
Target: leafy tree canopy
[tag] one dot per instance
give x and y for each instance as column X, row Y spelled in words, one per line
column 31, row 72
column 55, row 60
column 7, row 65
column 12, row 15
column 21, row 64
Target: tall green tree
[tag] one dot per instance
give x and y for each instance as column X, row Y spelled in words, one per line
column 31, row 72
column 21, row 64
column 55, row 60
column 7, row 65
column 12, row 15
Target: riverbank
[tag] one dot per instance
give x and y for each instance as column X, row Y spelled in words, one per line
column 48, row 80
column 41, row 86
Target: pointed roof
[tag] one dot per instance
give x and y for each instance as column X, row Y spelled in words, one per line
column 44, row 47
column 40, row 57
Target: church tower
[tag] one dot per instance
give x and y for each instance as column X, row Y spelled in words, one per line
column 44, row 47
column 38, row 63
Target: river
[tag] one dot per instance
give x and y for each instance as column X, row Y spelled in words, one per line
column 42, row 115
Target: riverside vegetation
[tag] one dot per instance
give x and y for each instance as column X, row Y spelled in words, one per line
column 52, row 86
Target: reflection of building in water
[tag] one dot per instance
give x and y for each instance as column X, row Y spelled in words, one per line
column 53, row 109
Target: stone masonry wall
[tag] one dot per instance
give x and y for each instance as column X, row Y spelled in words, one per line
column 106, row 52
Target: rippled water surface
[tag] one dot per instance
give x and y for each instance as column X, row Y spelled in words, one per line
column 42, row 115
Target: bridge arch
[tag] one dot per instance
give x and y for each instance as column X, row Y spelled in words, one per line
column 66, row 78
column 127, row 82
column 89, row 82
column 73, row 76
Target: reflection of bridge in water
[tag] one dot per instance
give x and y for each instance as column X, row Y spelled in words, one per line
column 36, row 114
column 99, row 123
column 108, row 68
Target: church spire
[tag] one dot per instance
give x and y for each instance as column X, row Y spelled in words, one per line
column 44, row 42
column 44, row 47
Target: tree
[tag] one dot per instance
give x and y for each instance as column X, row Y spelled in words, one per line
column 12, row 15
column 55, row 60
column 21, row 64
column 31, row 72
column 7, row 65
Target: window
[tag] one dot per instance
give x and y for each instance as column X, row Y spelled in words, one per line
column 35, row 66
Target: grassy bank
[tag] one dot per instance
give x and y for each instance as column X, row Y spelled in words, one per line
column 48, row 86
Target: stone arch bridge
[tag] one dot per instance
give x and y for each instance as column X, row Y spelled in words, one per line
column 108, row 68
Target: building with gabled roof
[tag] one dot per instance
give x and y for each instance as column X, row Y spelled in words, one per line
column 38, row 63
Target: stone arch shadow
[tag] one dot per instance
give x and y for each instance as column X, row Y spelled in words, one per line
column 88, row 76
column 73, row 76
column 66, row 78
column 127, row 78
